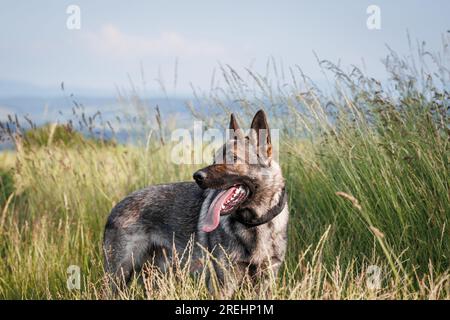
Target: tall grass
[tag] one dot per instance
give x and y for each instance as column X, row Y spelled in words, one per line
column 366, row 167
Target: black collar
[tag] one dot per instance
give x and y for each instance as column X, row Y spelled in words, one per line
column 248, row 216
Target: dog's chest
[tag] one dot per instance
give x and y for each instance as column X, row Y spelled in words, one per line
column 270, row 240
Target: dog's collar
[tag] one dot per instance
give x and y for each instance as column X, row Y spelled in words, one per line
column 240, row 216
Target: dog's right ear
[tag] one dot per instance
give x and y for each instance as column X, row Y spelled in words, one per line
column 260, row 134
column 236, row 131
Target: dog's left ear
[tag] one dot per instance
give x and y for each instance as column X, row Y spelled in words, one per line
column 260, row 134
column 236, row 130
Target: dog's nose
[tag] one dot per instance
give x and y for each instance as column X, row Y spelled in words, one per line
column 199, row 176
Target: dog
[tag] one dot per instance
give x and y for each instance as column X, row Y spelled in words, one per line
column 236, row 210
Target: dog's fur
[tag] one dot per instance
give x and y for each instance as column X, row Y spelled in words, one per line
column 149, row 223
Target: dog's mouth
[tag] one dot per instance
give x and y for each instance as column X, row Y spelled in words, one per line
column 225, row 202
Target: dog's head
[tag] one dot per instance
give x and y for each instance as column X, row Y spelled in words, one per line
column 242, row 167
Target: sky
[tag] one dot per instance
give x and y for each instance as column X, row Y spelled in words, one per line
column 118, row 40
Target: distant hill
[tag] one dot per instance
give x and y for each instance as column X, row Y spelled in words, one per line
column 44, row 104
column 42, row 110
column 53, row 108
column 11, row 88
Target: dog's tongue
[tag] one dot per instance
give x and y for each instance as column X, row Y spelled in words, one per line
column 212, row 218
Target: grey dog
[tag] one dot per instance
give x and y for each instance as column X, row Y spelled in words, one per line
column 236, row 210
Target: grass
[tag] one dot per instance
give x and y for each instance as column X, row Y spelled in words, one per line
column 367, row 172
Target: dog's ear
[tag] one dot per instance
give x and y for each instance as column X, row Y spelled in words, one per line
column 260, row 134
column 236, row 131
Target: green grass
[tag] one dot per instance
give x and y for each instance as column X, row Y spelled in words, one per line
column 368, row 186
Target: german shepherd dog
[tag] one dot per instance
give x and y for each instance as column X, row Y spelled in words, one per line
column 236, row 209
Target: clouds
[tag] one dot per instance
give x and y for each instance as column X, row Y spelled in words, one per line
column 113, row 42
column 192, row 37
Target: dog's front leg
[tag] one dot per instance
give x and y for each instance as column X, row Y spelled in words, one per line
column 265, row 276
column 225, row 278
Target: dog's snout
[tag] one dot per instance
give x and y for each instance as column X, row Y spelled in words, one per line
column 199, row 176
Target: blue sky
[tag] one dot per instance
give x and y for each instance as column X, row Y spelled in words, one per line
column 116, row 37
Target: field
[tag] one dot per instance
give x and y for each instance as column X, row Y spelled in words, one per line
column 366, row 168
